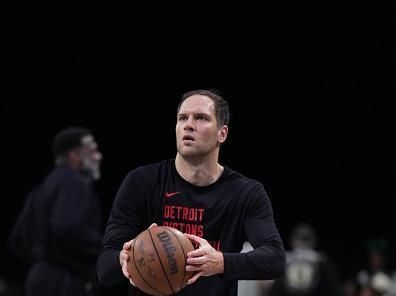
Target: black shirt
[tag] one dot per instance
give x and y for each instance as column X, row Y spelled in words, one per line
column 226, row 213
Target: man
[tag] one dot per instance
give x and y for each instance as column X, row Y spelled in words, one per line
column 216, row 207
column 59, row 229
column 308, row 271
column 376, row 277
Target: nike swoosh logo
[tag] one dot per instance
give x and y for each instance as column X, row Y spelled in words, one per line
column 170, row 194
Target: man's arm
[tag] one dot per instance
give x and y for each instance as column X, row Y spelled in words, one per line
column 124, row 224
column 267, row 260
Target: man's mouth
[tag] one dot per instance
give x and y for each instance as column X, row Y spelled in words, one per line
column 188, row 138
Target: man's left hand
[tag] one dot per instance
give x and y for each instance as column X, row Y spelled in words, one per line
column 204, row 261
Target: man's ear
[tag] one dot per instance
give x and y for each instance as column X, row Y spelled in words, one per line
column 74, row 157
column 222, row 135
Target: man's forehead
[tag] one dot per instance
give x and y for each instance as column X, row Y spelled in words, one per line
column 197, row 103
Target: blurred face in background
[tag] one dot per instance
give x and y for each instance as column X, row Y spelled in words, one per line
column 90, row 157
column 376, row 261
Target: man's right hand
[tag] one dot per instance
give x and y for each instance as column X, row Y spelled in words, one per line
column 124, row 257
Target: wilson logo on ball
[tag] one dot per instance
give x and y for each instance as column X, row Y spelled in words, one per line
column 170, row 250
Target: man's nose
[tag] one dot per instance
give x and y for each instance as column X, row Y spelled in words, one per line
column 189, row 124
column 98, row 156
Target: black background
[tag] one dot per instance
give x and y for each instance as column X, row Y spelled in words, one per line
column 310, row 98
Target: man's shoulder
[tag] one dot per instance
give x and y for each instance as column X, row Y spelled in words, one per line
column 246, row 187
column 155, row 166
column 240, row 178
column 151, row 170
column 64, row 175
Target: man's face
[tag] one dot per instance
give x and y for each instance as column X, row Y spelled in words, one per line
column 197, row 133
column 90, row 157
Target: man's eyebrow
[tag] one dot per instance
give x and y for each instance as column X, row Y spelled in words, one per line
column 195, row 114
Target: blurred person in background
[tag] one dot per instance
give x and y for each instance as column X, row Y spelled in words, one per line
column 58, row 232
column 376, row 278
column 308, row 272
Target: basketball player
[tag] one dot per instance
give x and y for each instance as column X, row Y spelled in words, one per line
column 217, row 207
column 309, row 272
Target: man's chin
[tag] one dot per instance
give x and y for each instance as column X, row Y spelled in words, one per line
column 187, row 152
column 92, row 174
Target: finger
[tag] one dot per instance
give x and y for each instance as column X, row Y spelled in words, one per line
column 153, row 225
column 197, row 239
column 197, row 253
column 194, row 268
column 194, row 278
column 127, row 245
column 125, row 256
column 125, row 270
column 197, row 260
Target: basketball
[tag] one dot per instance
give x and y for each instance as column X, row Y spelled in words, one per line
column 157, row 263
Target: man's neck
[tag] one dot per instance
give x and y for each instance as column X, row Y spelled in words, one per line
column 200, row 173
